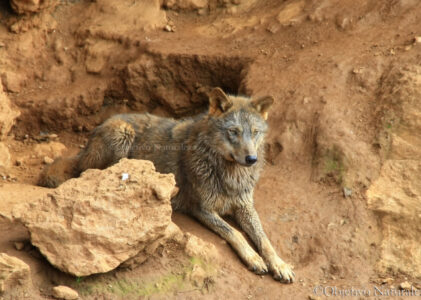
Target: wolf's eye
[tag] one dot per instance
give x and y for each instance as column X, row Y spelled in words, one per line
column 233, row 131
column 255, row 132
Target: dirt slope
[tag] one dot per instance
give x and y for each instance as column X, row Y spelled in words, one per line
column 326, row 62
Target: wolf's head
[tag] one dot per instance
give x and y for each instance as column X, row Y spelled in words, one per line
column 238, row 126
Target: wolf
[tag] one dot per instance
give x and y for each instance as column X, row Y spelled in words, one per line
column 216, row 158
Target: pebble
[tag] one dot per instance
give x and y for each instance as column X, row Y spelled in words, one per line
column 347, row 192
column 168, row 28
column 406, row 286
column 19, row 246
column 48, row 160
column 64, row 292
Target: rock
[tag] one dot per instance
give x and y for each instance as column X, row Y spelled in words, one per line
column 19, row 245
column 396, row 196
column 94, row 65
column 198, row 275
column 103, row 219
column 168, row 28
column 64, row 292
column 347, row 192
column 291, row 13
column 197, row 247
column 186, row 4
column 12, row 82
column 191, row 246
column 48, row 160
column 13, row 273
column 51, row 149
column 4, row 156
column 406, row 286
column 7, row 114
column 31, row 6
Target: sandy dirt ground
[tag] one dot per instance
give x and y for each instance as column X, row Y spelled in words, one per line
column 71, row 65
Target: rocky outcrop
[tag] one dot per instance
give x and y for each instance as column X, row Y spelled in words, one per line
column 94, row 223
column 14, row 273
column 396, row 195
column 7, row 114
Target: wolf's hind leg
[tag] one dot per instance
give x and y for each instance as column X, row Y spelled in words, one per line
column 108, row 143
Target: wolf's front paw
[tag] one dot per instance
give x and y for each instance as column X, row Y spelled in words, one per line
column 256, row 264
column 281, row 270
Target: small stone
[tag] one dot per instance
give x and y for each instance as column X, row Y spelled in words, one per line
column 347, row 192
column 18, row 162
column 202, row 11
column 64, row 292
column 198, row 275
column 311, row 297
column 406, row 286
column 387, row 280
column 168, row 28
column 48, row 160
column 274, row 28
column 4, row 156
column 19, row 245
column 417, row 40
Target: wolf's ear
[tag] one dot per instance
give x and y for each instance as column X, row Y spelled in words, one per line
column 219, row 102
column 262, row 105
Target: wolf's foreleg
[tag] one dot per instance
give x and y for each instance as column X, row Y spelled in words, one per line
column 234, row 238
column 249, row 221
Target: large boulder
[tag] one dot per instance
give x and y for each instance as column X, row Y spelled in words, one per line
column 14, row 274
column 7, row 114
column 94, row 223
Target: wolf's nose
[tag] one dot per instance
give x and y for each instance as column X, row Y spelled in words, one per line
column 251, row 159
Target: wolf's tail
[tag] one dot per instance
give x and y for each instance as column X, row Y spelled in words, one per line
column 62, row 169
column 108, row 143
